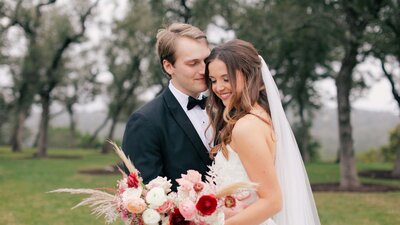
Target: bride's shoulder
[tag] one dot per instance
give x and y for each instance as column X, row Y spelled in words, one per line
column 250, row 125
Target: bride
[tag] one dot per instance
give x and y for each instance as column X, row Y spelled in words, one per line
column 254, row 141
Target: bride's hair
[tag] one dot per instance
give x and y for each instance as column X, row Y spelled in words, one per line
column 241, row 59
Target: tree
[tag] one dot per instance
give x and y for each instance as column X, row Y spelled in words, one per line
column 129, row 50
column 27, row 17
column 384, row 37
column 288, row 36
column 63, row 37
column 350, row 18
column 80, row 86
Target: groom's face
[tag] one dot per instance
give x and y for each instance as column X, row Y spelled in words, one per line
column 187, row 72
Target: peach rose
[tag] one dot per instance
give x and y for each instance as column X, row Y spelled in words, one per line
column 137, row 205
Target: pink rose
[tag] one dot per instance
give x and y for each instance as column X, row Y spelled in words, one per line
column 187, row 209
column 202, row 223
column 184, row 184
column 165, row 207
column 192, row 176
column 124, row 214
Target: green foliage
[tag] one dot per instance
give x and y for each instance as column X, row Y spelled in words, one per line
column 313, row 146
column 386, row 153
column 389, row 151
column 372, row 155
column 60, row 137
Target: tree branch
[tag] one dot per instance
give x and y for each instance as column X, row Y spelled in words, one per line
column 39, row 6
column 389, row 76
column 68, row 40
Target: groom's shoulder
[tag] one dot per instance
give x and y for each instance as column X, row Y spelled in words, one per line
column 152, row 107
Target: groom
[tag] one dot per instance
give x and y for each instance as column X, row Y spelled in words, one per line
column 166, row 137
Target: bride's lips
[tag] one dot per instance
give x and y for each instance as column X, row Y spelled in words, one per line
column 224, row 96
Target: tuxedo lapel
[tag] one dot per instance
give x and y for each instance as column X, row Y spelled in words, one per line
column 183, row 120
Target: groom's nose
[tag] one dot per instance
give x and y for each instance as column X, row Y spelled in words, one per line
column 202, row 68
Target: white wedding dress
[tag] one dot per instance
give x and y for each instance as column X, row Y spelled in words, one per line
column 231, row 171
column 298, row 205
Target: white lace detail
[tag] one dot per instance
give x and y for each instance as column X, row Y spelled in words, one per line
column 232, row 171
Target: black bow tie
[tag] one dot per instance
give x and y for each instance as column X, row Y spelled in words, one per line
column 193, row 102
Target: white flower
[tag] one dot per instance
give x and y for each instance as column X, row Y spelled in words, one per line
column 156, row 197
column 162, row 182
column 131, row 195
column 214, row 219
column 151, row 216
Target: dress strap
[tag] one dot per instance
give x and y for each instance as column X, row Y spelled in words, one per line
column 259, row 117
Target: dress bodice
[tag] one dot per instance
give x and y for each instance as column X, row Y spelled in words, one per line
column 230, row 171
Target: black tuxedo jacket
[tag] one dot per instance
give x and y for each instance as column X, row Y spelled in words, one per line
column 160, row 140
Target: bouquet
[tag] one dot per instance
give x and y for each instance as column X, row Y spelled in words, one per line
column 195, row 202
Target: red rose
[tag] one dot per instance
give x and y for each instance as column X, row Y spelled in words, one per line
column 133, row 180
column 230, row 202
column 207, row 204
column 176, row 218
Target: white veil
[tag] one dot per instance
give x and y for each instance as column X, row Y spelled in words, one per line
column 298, row 202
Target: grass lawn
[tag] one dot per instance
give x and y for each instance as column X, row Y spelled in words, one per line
column 24, row 182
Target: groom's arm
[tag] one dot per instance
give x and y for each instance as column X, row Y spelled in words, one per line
column 141, row 143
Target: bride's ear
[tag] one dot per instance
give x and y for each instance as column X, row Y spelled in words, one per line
column 168, row 67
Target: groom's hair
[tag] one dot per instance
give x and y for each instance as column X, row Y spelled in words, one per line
column 166, row 39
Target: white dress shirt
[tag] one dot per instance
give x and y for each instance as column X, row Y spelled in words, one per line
column 197, row 116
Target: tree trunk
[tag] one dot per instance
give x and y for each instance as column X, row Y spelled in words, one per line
column 72, row 126
column 304, row 136
column 96, row 133
column 396, row 96
column 43, row 128
column 107, row 147
column 16, row 139
column 396, row 170
column 348, row 172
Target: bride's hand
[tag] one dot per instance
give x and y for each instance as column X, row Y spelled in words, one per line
column 229, row 212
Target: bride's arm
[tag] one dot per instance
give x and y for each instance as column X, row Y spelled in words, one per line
column 250, row 140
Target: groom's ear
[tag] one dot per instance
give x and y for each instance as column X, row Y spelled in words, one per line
column 168, row 67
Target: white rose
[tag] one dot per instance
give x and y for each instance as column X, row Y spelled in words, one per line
column 156, row 197
column 131, row 194
column 162, row 182
column 151, row 216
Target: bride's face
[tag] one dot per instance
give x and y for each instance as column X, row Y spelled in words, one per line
column 220, row 83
